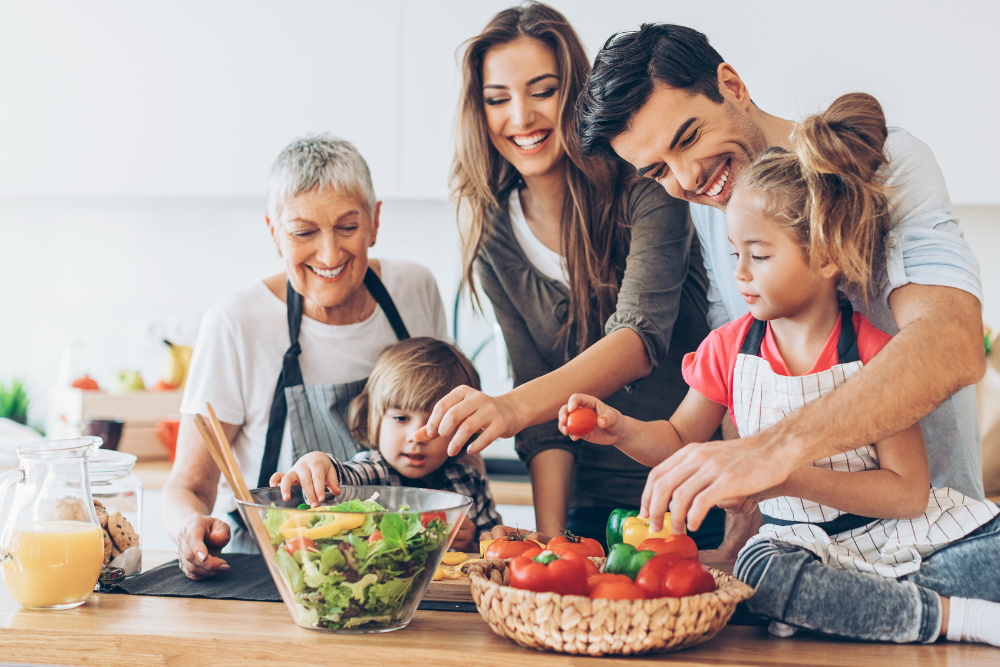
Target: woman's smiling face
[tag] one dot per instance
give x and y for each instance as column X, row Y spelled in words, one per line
column 324, row 237
column 521, row 99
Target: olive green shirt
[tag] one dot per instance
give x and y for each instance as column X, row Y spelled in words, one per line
column 662, row 298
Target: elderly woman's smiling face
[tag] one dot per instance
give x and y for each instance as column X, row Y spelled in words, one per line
column 324, row 236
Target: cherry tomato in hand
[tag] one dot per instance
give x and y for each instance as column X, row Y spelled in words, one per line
column 298, row 544
column 682, row 545
column 581, row 421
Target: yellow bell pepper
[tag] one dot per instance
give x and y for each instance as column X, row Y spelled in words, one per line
column 636, row 529
column 453, row 558
column 296, row 525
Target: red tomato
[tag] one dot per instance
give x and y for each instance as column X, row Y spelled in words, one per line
column 682, row 545
column 670, row 576
column 595, row 580
column 581, row 421
column 427, row 517
column 375, row 537
column 618, row 590
column 512, row 546
column 585, row 546
column 565, row 575
column 298, row 544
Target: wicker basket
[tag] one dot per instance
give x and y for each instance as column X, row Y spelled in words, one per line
column 582, row 626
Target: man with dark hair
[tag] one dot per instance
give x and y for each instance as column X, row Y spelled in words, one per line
column 665, row 101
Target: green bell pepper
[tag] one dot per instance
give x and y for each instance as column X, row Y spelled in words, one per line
column 615, row 523
column 626, row 559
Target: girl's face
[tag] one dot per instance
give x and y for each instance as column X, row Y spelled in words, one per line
column 409, row 457
column 772, row 272
column 521, row 99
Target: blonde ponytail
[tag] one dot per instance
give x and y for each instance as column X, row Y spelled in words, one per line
column 828, row 191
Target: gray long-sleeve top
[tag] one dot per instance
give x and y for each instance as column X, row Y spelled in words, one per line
column 662, row 298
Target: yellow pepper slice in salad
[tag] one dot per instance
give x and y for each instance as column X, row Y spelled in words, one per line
column 296, row 525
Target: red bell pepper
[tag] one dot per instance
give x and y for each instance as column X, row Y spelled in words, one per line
column 670, row 576
column 548, row 572
column 682, row 545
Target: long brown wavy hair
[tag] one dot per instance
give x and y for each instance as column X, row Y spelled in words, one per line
column 827, row 191
column 594, row 240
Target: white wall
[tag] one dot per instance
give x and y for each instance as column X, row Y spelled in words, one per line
column 192, row 98
column 135, row 138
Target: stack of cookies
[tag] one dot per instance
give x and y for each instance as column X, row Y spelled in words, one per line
column 119, row 535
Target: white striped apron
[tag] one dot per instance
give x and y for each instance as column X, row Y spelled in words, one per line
column 886, row 547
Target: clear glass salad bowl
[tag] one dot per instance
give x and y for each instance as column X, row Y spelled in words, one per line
column 362, row 561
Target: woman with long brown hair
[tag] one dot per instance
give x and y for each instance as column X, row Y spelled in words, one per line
column 595, row 277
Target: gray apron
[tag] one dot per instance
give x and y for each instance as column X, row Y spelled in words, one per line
column 317, row 413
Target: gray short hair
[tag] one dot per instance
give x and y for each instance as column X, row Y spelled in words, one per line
column 319, row 161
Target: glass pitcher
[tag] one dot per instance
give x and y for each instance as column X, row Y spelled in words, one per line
column 52, row 545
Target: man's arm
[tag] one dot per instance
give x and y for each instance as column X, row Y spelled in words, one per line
column 938, row 350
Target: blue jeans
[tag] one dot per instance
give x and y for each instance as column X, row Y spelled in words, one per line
column 792, row 586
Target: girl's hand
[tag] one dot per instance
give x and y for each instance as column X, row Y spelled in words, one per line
column 610, row 424
column 314, row 472
column 465, row 412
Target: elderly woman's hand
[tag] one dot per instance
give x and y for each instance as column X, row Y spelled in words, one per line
column 199, row 545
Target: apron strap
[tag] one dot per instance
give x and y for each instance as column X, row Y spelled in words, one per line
column 290, row 376
column 382, row 298
column 291, row 371
column 754, row 337
column 847, row 344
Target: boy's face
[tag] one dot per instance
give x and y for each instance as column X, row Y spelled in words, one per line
column 409, row 457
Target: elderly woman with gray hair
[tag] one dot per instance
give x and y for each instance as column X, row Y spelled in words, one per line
column 280, row 359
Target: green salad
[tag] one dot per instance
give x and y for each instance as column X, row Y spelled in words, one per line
column 355, row 570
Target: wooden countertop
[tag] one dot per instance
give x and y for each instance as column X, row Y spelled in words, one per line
column 137, row 630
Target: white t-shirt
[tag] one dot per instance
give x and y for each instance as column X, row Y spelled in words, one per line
column 244, row 336
column 547, row 261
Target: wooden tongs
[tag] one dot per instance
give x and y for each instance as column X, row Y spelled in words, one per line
column 222, row 453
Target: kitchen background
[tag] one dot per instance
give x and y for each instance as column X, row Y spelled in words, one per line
column 135, row 141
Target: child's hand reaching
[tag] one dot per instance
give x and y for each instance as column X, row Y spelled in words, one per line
column 610, row 425
column 465, row 538
column 314, row 472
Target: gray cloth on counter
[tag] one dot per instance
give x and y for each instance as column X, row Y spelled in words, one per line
column 247, row 579
column 663, row 298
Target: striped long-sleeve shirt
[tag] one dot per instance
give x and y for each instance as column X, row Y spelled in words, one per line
column 369, row 467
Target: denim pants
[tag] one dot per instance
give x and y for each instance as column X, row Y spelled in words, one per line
column 792, row 586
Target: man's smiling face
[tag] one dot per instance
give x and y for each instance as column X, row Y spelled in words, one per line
column 692, row 146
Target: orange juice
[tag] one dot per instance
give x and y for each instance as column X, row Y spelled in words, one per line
column 54, row 564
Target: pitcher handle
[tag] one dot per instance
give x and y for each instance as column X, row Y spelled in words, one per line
column 6, row 479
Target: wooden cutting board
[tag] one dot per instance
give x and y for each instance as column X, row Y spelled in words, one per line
column 450, row 590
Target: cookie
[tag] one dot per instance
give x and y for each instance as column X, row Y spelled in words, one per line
column 102, row 513
column 121, row 531
column 107, row 546
column 115, row 551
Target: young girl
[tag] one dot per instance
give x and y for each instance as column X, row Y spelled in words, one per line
column 802, row 225
column 408, row 379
